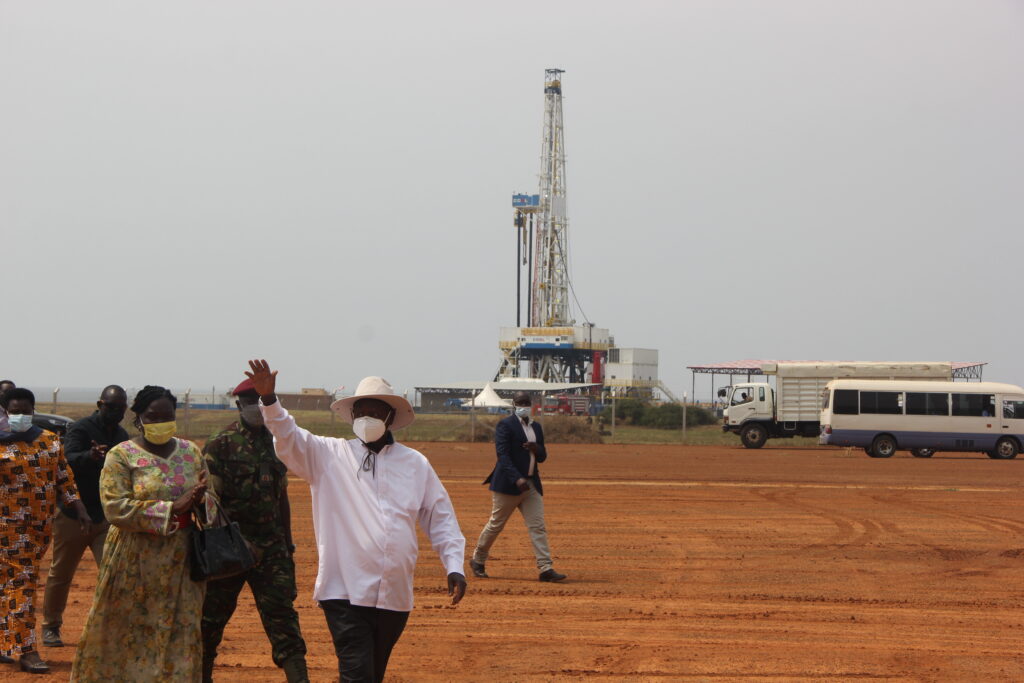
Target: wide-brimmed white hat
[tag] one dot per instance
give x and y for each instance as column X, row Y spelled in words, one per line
column 378, row 388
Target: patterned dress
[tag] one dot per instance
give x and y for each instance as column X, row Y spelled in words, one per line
column 144, row 624
column 33, row 473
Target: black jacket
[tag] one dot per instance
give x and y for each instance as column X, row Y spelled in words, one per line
column 514, row 460
column 77, row 448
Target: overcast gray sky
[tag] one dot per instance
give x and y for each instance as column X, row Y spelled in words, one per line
column 186, row 185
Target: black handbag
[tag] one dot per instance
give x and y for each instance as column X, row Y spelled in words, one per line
column 218, row 551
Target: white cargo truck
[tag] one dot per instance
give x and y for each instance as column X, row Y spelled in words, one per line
column 758, row 412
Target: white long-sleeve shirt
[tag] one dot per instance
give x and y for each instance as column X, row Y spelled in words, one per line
column 365, row 521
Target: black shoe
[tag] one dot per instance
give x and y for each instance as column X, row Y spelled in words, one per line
column 295, row 669
column 478, row 569
column 51, row 637
column 6, row 660
column 551, row 575
column 36, row 667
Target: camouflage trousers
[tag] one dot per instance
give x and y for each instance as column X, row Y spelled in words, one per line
column 272, row 582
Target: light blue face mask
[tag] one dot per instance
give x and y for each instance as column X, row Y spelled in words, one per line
column 522, row 411
column 19, row 423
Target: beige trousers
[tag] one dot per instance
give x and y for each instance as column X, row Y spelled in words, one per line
column 531, row 505
column 69, row 544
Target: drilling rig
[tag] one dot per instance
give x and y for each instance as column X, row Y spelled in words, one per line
column 551, row 346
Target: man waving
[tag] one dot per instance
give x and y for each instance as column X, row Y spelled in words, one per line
column 368, row 494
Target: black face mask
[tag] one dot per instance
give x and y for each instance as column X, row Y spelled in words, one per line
column 111, row 416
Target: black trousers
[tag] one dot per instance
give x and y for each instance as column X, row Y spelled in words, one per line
column 363, row 638
column 272, row 582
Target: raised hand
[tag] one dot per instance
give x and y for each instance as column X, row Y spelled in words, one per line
column 263, row 379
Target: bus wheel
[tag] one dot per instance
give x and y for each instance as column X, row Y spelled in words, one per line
column 1006, row 449
column 883, row 446
column 754, row 435
column 922, row 452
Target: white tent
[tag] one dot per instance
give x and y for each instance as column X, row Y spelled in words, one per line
column 488, row 398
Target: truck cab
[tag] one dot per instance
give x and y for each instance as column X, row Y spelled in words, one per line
column 749, row 412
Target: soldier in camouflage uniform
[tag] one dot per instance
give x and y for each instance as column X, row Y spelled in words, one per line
column 252, row 485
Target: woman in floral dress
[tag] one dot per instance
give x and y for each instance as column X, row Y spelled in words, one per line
column 144, row 624
column 33, row 472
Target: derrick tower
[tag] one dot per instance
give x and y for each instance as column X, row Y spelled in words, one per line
column 551, row 346
column 550, row 282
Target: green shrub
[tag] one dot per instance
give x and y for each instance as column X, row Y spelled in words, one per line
column 627, row 411
column 662, row 416
column 557, row 429
column 484, row 430
column 569, row 429
column 665, row 416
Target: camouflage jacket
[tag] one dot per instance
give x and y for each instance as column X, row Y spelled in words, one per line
column 250, row 481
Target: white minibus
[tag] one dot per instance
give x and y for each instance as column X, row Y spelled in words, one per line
column 924, row 417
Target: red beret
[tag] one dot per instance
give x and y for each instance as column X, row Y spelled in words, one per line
column 243, row 387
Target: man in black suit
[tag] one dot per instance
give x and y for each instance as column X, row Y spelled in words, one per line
column 515, row 484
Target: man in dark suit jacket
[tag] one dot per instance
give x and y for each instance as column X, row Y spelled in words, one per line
column 515, row 484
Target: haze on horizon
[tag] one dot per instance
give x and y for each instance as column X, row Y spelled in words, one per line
column 184, row 186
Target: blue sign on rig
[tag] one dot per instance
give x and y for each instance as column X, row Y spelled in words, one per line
column 521, row 201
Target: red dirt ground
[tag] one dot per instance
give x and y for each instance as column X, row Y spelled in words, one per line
column 699, row 563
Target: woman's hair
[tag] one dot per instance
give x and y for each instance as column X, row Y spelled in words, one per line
column 147, row 395
column 16, row 393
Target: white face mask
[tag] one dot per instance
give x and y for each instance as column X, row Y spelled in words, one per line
column 368, row 429
column 522, row 411
column 19, row 423
column 252, row 415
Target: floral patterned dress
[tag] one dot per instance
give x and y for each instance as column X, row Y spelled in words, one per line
column 33, row 473
column 144, row 624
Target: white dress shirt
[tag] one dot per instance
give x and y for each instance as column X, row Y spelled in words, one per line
column 365, row 521
column 531, row 437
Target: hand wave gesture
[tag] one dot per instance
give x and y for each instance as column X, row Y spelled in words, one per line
column 263, row 379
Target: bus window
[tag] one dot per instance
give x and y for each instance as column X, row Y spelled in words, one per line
column 881, row 402
column 845, row 402
column 825, row 396
column 760, row 393
column 1013, row 410
column 920, row 403
column 974, row 405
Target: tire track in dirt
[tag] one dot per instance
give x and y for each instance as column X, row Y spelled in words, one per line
column 851, row 531
column 967, row 562
column 984, row 522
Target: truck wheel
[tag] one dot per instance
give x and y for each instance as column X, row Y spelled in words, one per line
column 922, row 452
column 1006, row 449
column 883, row 446
column 754, row 436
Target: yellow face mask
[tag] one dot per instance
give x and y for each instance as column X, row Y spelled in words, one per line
column 159, row 433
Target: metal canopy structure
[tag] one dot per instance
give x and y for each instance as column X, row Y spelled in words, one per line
column 750, row 367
